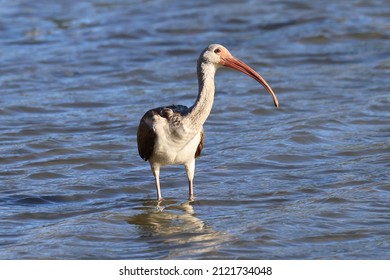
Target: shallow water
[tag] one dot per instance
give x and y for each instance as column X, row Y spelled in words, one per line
column 309, row 180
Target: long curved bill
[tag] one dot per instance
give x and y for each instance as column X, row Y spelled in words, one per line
column 232, row 62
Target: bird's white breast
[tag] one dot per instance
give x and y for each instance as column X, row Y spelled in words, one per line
column 173, row 145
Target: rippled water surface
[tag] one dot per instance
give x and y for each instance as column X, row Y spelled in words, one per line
column 309, row 180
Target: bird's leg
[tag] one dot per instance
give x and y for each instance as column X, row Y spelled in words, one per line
column 190, row 170
column 156, row 174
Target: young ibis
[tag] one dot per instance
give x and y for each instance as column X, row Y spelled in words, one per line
column 174, row 134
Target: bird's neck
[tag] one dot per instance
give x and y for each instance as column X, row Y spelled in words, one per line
column 199, row 112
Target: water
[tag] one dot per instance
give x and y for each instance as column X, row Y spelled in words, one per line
column 309, row 180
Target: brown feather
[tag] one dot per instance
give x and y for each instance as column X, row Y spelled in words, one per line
column 146, row 136
column 200, row 146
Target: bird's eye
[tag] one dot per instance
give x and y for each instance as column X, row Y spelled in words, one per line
column 217, row 51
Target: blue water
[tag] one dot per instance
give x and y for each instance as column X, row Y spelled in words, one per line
column 309, row 180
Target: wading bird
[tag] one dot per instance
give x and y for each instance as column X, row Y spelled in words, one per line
column 174, row 134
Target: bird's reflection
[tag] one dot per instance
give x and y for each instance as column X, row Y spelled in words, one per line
column 176, row 225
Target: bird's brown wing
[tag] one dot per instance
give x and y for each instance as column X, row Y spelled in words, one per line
column 200, row 146
column 146, row 136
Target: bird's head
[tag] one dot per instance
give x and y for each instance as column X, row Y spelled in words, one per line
column 220, row 56
column 215, row 54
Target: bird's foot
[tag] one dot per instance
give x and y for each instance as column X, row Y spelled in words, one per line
column 159, row 207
